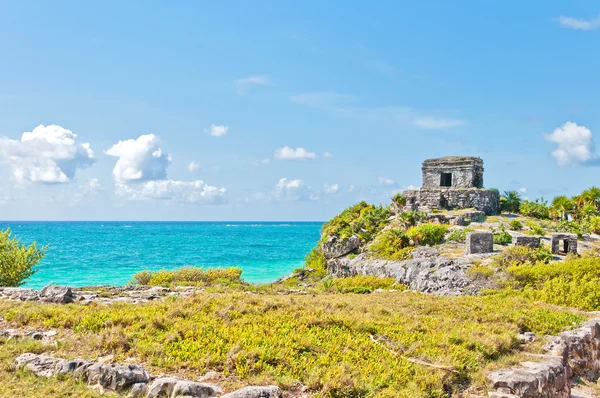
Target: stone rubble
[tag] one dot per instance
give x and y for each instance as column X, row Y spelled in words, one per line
column 133, row 380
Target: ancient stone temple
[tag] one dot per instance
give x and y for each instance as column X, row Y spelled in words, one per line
column 453, row 182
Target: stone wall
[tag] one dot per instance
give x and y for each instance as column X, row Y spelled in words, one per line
column 574, row 353
column 484, row 200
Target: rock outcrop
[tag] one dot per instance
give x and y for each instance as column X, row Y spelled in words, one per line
column 335, row 247
column 49, row 294
column 427, row 272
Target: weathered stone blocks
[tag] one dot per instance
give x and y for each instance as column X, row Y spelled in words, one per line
column 564, row 243
column 485, row 200
column 480, row 242
column 529, row 241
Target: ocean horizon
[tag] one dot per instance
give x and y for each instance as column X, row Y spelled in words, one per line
column 84, row 253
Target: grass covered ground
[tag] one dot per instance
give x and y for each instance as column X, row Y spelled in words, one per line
column 337, row 345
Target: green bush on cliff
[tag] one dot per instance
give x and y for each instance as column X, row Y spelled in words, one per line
column 362, row 219
column 391, row 244
column 189, row 276
column 17, row 261
column 427, row 234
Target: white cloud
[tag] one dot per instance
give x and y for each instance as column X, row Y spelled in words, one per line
column 243, row 85
column 437, row 123
column 575, row 145
column 345, row 106
column 579, row 24
column 327, row 155
column 48, row 155
column 196, row 192
column 141, row 174
column 293, row 190
column 410, row 188
column 522, row 189
column 87, row 191
column 140, row 159
column 217, row 130
column 331, row 189
column 288, row 153
column 385, row 181
column 193, row 167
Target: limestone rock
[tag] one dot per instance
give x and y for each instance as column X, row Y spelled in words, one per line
column 116, row 377
column 170, row 387
column 138, row 390
column 256, row 392
column 334, row 247
column 56, row 294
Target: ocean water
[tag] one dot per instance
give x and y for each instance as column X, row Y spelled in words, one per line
column 109, row 253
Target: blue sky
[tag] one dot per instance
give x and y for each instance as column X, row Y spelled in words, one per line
column 286, row 110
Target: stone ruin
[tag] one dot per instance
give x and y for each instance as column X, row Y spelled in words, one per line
column 564, row 243
column 453, row 182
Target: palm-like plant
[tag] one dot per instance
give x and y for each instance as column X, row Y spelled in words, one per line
column 563, row 206
column 510, row 201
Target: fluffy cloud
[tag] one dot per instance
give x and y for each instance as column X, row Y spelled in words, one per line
column 331, row 189
column 196, row 192
column 288, row 153
column 140, row 159
column 193, row 166
column 575, row 145
column 579, row 24
column 141, row 174
column 243, row 85
column 217, row 130
column 48, row 155
column 385, row 181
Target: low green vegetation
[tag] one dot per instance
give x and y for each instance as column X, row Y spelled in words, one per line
column 501, row 236
column 189, row 276
column 521, row 255
column 459, row 235
column 337, row 345
column 515, row 225
column 573, row 283
column 360, row 284
column 17, row 261
column 391, row 244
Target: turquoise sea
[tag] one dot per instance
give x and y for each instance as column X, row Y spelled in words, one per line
column 109, row 253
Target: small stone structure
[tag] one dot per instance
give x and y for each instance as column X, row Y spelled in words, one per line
column 529, row 241
column 453, row 182
column 480, row 242
column 564, row 243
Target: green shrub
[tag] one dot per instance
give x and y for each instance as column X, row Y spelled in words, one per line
column 595, row 224
column 501, row 237
column 571, row 227
column 391, row 244
column 459, row 235
column 535, row 228
column 480, row 271
column 427, row 234
column 411, row 218
column 316, row 260
column 516, row 225
column 573, row 283
column 364, row 284
column 189, row 276
column 399, row 200
column 17, row 261
column 362, row 219
column 537, row 209
column 520, row 255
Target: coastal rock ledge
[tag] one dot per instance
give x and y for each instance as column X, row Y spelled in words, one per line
column 427, row 272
